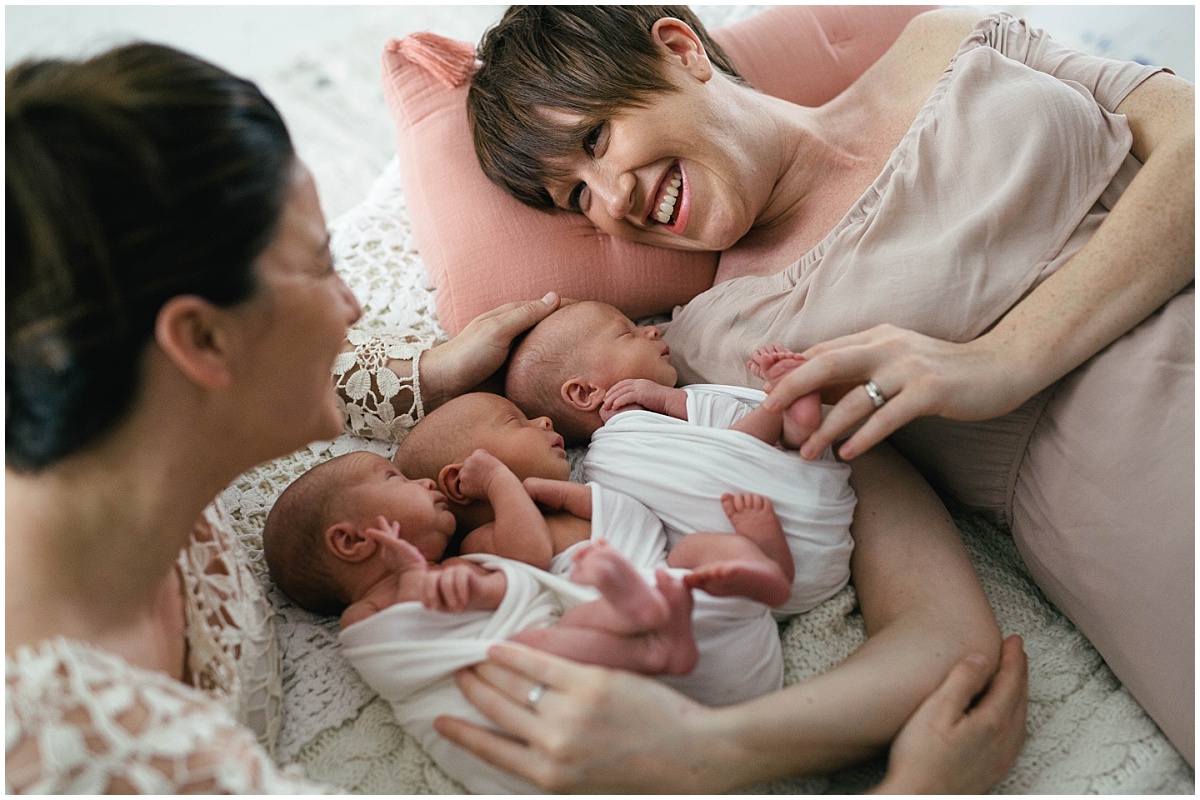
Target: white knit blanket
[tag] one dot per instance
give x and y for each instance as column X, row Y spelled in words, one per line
column 1086, row 734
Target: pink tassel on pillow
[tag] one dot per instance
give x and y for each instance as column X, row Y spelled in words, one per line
column 448, row 60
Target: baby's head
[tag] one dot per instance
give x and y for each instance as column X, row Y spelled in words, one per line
column 315, row 541
column 437, row 447
column 567, row 363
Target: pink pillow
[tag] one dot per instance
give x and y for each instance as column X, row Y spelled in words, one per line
column 482, row 248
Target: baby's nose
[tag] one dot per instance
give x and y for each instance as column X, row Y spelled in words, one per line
column 428, row 483
column 651, row 332
column 544, row 423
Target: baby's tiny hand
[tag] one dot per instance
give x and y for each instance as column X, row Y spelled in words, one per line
column 633, row 394
column 477, row 473
column 399, row 555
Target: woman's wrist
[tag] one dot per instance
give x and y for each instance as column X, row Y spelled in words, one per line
column 728, row 761
column 431, row 367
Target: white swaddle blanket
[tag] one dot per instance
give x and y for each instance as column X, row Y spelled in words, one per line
column 409, row 654
column 738, row 640
column 680, row 468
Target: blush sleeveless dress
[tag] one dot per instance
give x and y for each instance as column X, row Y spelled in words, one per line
column 1009, row 168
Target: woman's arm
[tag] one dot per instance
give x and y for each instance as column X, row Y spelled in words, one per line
column 606, row 731
column 388, row 385
column 1141, row 255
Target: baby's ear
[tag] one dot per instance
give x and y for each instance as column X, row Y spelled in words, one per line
column 349, row 543
column 582, row 395
column 450, row 484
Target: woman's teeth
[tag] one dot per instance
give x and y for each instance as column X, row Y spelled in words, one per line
column 666, row 208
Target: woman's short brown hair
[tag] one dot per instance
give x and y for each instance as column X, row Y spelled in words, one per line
column 592, row 61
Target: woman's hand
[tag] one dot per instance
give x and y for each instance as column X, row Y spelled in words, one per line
column 593, row 729
column 953, row 744
column 917, row 375
column 480, row 349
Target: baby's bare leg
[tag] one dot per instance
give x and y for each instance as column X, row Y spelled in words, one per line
column 610, row 631
column 771, row 363
column 755, row 562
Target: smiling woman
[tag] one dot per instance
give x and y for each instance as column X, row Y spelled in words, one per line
column 986, row 289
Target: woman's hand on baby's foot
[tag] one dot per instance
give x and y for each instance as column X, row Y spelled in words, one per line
column 771, row 362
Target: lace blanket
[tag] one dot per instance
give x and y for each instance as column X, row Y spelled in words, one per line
column 1086, row 734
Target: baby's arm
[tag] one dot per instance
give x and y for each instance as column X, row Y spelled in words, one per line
column 639, row 393
column 574, row 498
column 519, row 531
column 454, row 586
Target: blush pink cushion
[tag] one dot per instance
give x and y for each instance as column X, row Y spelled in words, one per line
column 482, row 248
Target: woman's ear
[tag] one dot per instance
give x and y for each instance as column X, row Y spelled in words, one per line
column 348, row 543
column 187, row 329
column 679, row 42
column 582, row 395
column 450, row 483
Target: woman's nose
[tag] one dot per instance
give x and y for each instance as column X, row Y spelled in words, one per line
column 614, row 191
column 352, row 304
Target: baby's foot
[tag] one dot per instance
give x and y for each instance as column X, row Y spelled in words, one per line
column 675, row 636
column 753, row 516
column 598, row 564
column 771, row 363
column 757, row 580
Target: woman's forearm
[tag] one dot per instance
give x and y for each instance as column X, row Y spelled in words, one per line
column 925, row 611
column 1141, row 255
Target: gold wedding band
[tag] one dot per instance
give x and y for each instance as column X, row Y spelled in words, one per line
column 875, row 393
column 535, row 694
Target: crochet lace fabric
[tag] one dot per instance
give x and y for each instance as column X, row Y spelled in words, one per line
column 85, row 722
column 233, row 655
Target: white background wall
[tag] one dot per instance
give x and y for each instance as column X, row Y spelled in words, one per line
column 254, row 40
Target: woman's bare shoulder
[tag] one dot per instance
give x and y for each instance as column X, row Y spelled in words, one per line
column 924, row 49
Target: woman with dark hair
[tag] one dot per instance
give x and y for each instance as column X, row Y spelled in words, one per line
column 172, row 318
column 984, row 248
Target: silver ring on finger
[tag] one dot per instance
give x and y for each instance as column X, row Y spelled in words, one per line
column 535, row 694
column 875, row 393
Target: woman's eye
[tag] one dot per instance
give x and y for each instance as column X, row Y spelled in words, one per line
column 574, row 202
column 594, row 143
column 592, row 138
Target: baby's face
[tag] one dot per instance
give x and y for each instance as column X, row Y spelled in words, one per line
column 374, row 487
column 530, row 448
column 614, row 348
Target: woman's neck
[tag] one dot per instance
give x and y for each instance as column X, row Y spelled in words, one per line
column 92, row 540
column 816, row 148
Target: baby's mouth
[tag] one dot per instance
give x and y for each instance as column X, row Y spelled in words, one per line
column 666, row 207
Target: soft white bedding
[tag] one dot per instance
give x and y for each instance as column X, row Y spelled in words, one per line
column 1086, row 734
